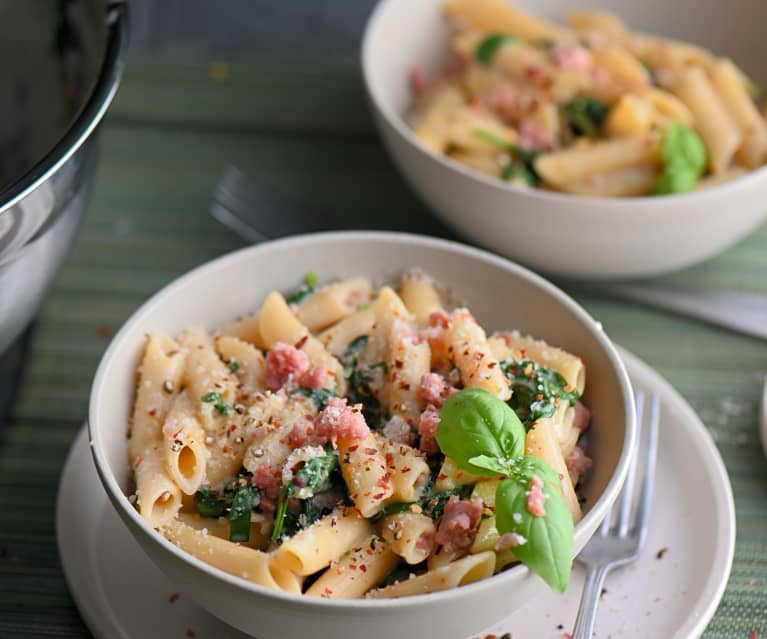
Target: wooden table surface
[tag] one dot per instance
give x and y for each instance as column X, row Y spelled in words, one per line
column 302, row 128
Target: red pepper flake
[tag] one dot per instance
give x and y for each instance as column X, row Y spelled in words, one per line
column 371, row 451
column 399, row 364
column 363, row 568
column 404, row 386
column 406, row 469
column 327, row 592
column 351, row 449
column 389, row 459
column 301, row 342
column 190, row 633
column 378, row 496
column 152, row 412
column 442, row 476
column 136, row 462
column 173, row 597
column 353, row 566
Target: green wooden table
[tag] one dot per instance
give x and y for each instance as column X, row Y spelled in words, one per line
column 303, row 129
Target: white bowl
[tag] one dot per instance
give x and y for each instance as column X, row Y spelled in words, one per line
column 597, row 238
column 501, row 295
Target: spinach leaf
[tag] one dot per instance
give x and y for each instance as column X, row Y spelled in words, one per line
column 209, row 503
column 360, row 379
column 585, row 115
column 476, row 425
column 432, row 504
column 245, row 499
column 214, row 397
column 518, row 172
column 490, row 45
column 684, row 160
column 312, row 478
column 534, row 389
column 318, row 396
column 547, row 541
column 522, row 162
column 239, row 497
column 307, row 288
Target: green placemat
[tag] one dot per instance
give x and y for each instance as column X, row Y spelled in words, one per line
column 304, row 130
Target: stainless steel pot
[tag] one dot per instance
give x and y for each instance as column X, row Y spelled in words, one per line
column 56, row 91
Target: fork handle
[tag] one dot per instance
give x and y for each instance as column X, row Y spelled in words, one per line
column 587, row 613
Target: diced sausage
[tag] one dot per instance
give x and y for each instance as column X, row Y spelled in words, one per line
column 536, row 498
column 284, row 363
column 459, row 524
column 339, row 421
column 427, row 429
column 582, row 417
column 577, row 461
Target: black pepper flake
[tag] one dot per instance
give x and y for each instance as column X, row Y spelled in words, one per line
column 560, row 626
column 661, row 553
column 603, row 593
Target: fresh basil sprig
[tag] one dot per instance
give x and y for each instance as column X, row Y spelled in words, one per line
column 480, row 433
column 483, row 436
column 684, row 160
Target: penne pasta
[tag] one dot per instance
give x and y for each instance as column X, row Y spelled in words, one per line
column 324, row 542
column 356, row 572
column 717, row 127
column 247, row 563
column 457, row 573
column 588, row 108
column 319, row 464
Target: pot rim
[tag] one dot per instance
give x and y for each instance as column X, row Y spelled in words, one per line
column 92, row 113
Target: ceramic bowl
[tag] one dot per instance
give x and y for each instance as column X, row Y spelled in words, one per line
column 585, row 237
column 500, row 294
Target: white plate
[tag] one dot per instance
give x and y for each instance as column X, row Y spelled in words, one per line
column 121, row 594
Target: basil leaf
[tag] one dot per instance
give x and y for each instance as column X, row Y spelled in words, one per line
column 547, row 547
column 489, row 463
column 684, row 160
column 475, row 423
column 527, row 466
column 490, row 45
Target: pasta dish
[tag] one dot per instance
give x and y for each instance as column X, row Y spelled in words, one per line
column 347, row 442
column 588, row 108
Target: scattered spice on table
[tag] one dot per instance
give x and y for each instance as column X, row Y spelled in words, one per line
column 661, row 553
column 173, row 597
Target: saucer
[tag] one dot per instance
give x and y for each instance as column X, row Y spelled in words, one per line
column 669, row 592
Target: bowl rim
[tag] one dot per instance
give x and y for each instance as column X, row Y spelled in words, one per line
column 397, row 123
column 119, row 342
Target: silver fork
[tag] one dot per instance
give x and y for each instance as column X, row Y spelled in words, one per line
column 620, row 538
